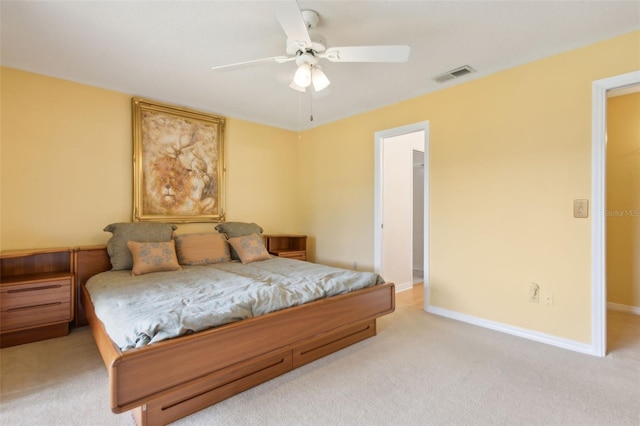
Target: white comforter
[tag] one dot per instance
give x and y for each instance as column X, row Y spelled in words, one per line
column 149, row 308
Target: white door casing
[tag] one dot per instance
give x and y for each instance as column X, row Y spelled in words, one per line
column 379, row 139
column 598, row 203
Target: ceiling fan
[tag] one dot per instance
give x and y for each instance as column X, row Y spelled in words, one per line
column 306, row 47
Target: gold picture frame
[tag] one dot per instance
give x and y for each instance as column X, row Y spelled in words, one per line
column 178, row 164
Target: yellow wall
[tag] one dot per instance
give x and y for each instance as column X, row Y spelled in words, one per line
column 623, row 200
column 67, row 165
column 509, row 154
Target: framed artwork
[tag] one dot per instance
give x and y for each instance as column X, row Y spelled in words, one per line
column 178, row 164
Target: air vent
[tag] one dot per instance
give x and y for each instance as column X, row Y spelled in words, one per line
column 450, row 75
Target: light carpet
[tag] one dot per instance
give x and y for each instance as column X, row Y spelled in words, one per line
column 420, row 369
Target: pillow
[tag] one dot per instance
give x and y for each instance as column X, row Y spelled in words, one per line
column 153, row 257
column 202, row 249
column 119, row 254
column 238, row 229
column 250, row 248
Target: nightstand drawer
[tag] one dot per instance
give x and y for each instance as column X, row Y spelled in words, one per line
column 35, row 315
column 35, row 294
column 298, row 255
column 36, row 303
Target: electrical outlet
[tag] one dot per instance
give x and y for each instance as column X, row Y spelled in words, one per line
column 534, row 293
column 581, row 208
column 547, row 298
column 355, row 266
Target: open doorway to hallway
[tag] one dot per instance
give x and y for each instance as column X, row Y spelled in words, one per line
column 598, row 220
column 622, row 213
column 398, row 216
column 418, row 215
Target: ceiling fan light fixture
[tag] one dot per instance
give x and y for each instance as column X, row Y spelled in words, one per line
column 294, row 86
column 319, row 79
column 302, row 77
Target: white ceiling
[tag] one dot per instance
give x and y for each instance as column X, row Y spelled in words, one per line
column 164, row 50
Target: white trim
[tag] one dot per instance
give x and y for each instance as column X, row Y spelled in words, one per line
column 623, row 308
column 515, row 331
column 378, row 201
column 623, row 91
column 598, row 203
column 598, row 237
column 403, row 286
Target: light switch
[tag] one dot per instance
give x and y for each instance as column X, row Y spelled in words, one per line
column 580, row 208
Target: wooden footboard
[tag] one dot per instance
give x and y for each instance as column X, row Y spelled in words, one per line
column 174, row 378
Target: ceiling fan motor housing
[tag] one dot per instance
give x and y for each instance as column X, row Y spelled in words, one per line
column 318, row 44
column 306, row 58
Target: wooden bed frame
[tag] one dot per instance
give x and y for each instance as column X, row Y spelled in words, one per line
column 174, row 378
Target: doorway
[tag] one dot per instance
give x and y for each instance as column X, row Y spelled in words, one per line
column 394, row 213
column 622, row 215
column 598, row 220
column 418, row 214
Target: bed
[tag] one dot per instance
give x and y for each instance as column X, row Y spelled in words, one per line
column 201, row 368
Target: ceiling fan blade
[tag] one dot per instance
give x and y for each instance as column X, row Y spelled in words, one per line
column 278, row 59
column 367, row 54
column 290, row 18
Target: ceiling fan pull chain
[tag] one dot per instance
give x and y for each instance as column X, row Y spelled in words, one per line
column 300, row 110
column 311, row 115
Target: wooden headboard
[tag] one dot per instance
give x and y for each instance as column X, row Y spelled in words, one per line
column 89, row 260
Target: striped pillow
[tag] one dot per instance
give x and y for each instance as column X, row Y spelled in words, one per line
column 202, row 249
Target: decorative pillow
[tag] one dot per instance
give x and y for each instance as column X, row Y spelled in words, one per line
column 119, row 254
column 238, row 229
column 153, row 257
column 250, row 248
column 202, row 249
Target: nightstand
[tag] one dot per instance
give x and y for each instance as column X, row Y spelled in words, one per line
column 36, row 297
column 287, row 245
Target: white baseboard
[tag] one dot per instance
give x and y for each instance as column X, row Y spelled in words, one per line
column 515, row 331
column 404, row 286
column 623, row 308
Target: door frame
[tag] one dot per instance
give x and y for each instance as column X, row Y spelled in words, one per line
column 598, row 201
column 378, row 248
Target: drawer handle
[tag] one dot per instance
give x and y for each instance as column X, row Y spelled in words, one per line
column 45, row 287
column 44, row 305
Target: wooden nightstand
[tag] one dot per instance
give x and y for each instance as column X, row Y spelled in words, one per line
column 287, row 245
column 36, row 297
